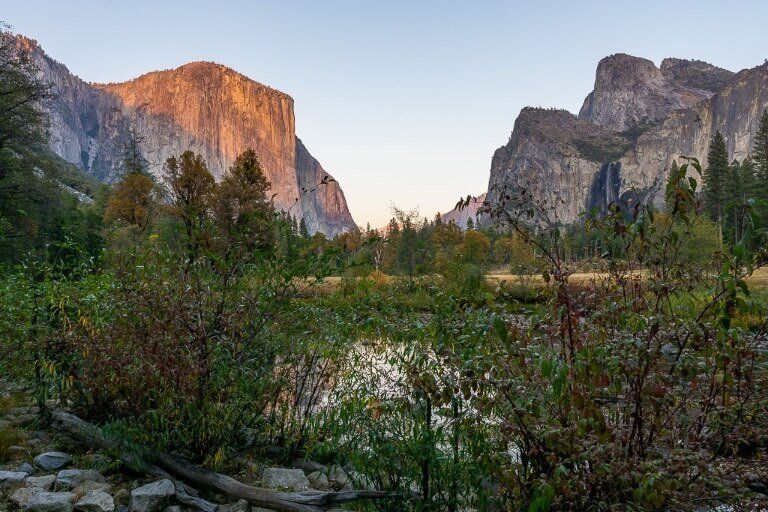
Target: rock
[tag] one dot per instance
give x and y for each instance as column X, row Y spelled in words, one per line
column 284, row 479
column 122, row 497
column 43, row 482
column 631, row 90
column 152, row 497
column 53, row 461
column 23, row 494
column 176, row 508
column 461, row 216
column 95, row 501
column 238, row 506
column 68, row 479
column 205, row 107
column 318, row 480
column 308, row 466
column 639, row 118
column 27, row 468
column 9, row 478
column 337, row 477
column 51, row 502
column 90, row 486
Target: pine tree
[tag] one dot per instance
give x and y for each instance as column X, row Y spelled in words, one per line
column 133, row 160
column 734, row 192
column 135, row 197
column 715, row 179
column 760, row 159
column 303, row 231
column 760, row 149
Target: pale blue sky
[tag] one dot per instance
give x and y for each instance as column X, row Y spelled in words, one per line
column 403, row 102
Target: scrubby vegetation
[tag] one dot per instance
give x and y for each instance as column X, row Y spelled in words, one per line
column 190, row 316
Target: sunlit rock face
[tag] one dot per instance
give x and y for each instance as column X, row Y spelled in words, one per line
column 204, row 107
column 640, row 118
column 460, row 216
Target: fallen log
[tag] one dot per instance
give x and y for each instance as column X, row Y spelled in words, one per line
column 310, row 501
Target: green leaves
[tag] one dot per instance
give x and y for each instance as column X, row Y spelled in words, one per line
column 501, row 328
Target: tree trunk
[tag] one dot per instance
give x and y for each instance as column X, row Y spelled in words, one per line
column 310, row 501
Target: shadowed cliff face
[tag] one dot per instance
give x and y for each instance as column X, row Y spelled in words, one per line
column 735, row 111
column 555, row 156
column 639, row 116
column 204, row 107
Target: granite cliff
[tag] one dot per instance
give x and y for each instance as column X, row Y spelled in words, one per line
column 636, row 121
column 205, row 107
column 460, row 216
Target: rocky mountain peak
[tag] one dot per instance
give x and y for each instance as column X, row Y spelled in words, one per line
column 636, row 121
column 696, row 74
column 202, row 106
column 461, row 216
column 632, row 92
column 200, row 74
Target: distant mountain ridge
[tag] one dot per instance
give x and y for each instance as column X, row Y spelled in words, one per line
column 636, row 121
column 460, row 216
column 201, row 106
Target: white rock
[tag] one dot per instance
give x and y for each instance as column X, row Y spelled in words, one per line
column 86, row 487
column 152, row 497
column 285, row 479
column 50, row 502
column 23, row 494
column 68, row 479
column 27, row 468
column 51, row 461
column 337, row 477
column 318, row 481
column 42, row 482
column 96, row 501
column 8, row 478
column 308, row 466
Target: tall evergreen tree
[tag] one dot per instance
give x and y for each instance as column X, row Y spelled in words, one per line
column 734, row 191
column 760, row 159
column 760, row 148
column 303, row 230
column 136, row 196
column 716, row 179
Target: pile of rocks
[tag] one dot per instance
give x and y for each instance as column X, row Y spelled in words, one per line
column 46, row 486
column 331, row 478
column 49, row 484
column 56, row 481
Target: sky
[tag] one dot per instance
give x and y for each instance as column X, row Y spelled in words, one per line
column 403, row 102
